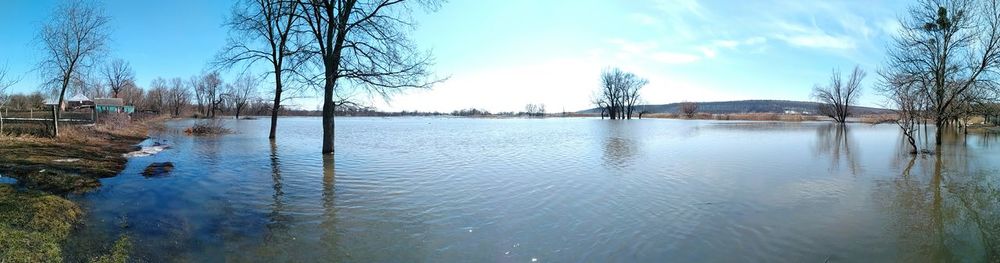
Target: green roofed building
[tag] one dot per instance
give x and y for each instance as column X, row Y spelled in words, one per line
column 114, row 105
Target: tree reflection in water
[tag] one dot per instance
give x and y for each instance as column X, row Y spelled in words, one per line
column 835, row 140
column 619, row 149
column 945, row 206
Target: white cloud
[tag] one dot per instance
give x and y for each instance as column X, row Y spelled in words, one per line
column 708, row 52
column 820, row 40
column 644, row 19
column 632, row 47
column 674, row 58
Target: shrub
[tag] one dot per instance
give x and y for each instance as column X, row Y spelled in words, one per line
column 210, row 127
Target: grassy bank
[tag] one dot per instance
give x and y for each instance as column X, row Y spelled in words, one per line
column 34, row 219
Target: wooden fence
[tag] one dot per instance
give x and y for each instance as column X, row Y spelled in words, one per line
column 84, row 116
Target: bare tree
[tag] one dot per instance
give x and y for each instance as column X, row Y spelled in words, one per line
column 363, row 46
column 6, row 82
column 117, row 73
column 88, row 86
column 619, row 93
column 131, row 94
column 837, row 98
column 211, row 85
column 157, row 96
column 72, row 39
column 199, row 93
column 906, row 98
column 689, row 109
column 179, row 95
column 242, row 92
column 949, row 48
column 265, row 30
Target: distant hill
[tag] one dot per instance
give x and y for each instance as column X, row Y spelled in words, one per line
column 748, row 106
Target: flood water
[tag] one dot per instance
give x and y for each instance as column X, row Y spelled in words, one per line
column 552, row 190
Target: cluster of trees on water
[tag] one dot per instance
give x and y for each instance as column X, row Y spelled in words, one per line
column 345, row 49
column 619, row 94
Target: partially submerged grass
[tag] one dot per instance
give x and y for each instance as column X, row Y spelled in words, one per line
column 119, row 252
column 210, row 127
column 33, row 224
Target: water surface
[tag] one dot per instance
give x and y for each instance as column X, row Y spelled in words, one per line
column 563, row 190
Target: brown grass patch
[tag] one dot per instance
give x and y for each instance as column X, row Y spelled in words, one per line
column 738, row 116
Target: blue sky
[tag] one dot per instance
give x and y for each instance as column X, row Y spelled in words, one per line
column 501, row 55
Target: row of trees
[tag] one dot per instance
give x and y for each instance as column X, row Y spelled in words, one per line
column 943, row 64
column 619, row 93
column 345, row 48
column 942, row 67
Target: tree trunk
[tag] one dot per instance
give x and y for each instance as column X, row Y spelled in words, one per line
column 328, row 108
column 939, row 123
column 277, row 104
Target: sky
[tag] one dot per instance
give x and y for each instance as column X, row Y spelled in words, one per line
column 500, row 55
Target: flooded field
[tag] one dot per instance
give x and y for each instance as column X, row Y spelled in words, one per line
column 552, row 190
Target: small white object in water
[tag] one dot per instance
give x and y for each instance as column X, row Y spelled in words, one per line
column 470, row 230
column 146, row 151
column 534, row 260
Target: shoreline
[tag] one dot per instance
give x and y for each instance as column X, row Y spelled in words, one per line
column 35, row 217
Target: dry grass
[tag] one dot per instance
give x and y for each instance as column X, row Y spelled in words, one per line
column 33, row 221
column 737, row 116
column 97, row 151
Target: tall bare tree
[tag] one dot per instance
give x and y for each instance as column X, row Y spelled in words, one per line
column 837, row 98
column 947, row 48
column 266, row 31
column 116, row 74
column 157, row 96
column 72, row 39
column 211, row 85
column 363, row 45
column 179, row 95
column 199, row 93
column 242, row 92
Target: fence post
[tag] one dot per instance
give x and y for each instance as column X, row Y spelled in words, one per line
column 55, row 122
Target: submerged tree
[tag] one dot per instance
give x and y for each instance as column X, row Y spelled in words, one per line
column 363, row 46
column 72, row 40
column 907, row 101
column 837, row 98
column 266, row 30
column 946, row 49
column 619, row 93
